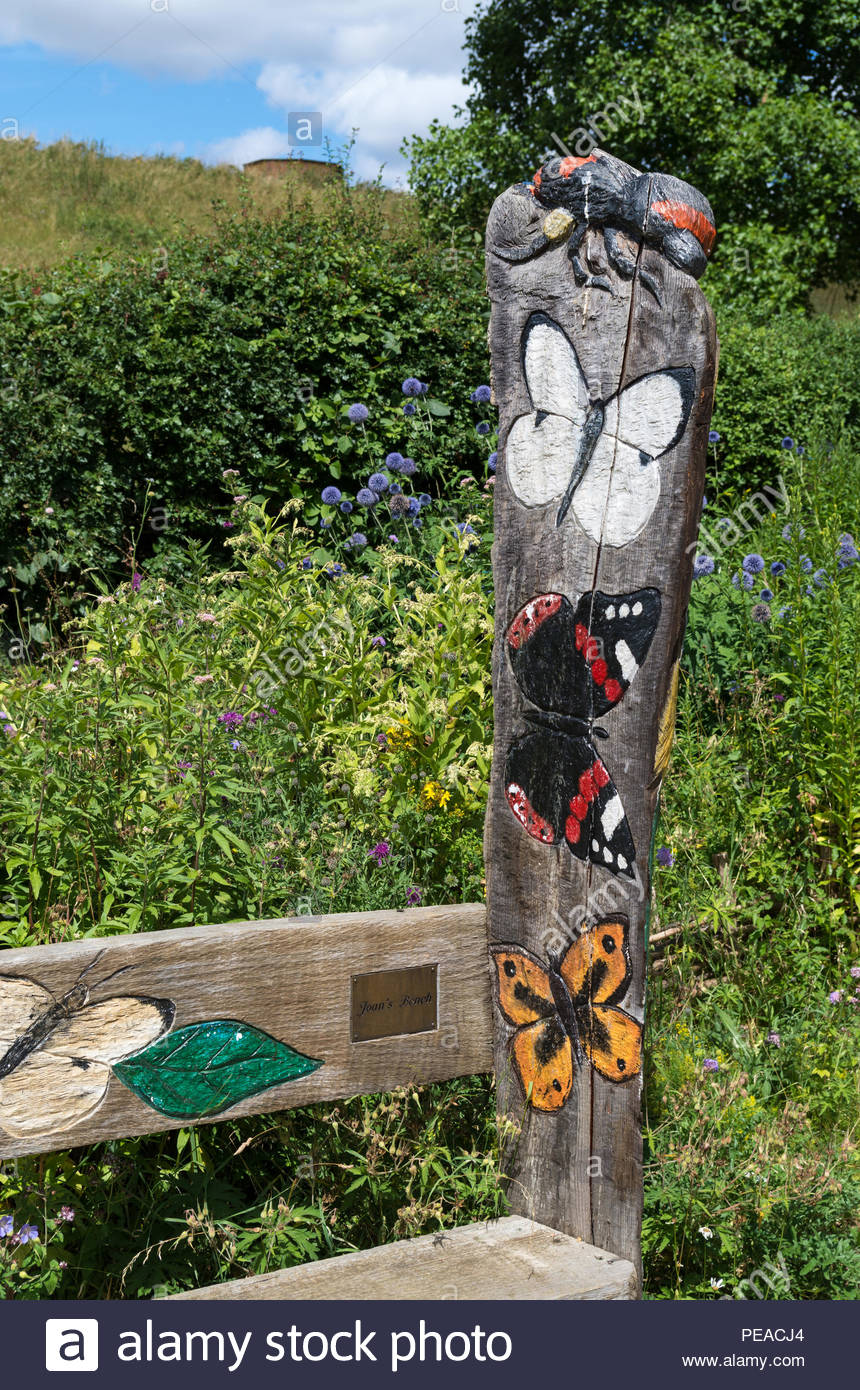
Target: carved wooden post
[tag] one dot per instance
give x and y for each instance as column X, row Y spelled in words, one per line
column 603, row 357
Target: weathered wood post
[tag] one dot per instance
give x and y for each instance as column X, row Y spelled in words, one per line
column 603, row 358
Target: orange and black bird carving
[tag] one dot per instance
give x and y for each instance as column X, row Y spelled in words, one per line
column 566, row 1011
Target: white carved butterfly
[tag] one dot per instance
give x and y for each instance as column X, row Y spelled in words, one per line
column 56, row 1054
column 599, row 457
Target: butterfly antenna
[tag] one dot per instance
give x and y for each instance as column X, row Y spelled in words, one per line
column 113, row 975
column 591, row 432
column 95, row 960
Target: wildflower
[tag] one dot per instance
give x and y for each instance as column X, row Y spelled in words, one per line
column 136, row 580
column 357, row 540
column 752, row 564
column 346, row 508
column 710, row 1064
column 26, row 1234
column 10, row 730
column 365, row 498
column 665, row 857
column 408, row 467
column 358, row 413
column 492, row 461
column 835, row 996
column 204, row 680
column 481, row 395
column 382, row 740
column 805, row 564
column 788, row 442
column 66, row 1214
column 228, row 525
column 413, row 897
column 774, row 1039
column 465, row 529
column 702, row 565
column 723, row 522
column 412, row 387
column 779, row 699
column 820, row 578
column 331, row 496
column 307, row 563
column 49, row 511
column 377, row 641
column 394, row 488
column 377, row 482
column 716, row 1283
column 705, row 1231
column 395, row 540
column 206, row 618
column 760, row 613
column 6, row 1226
column 417, row 523
column 235, row 745
column 398, row 505
column 482, row 428
column 409, row 408
column 777, row 568
column 855, row 972
column 336, row 569
column 414, row 506
column 243, row 497
column 766, row 595
column 425, row 500
column 393, row 461
column 713, row 437
column 231, row 718
column 380, row 852
column 229, row 472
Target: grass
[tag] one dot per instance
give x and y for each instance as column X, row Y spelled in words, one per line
column 70, row 199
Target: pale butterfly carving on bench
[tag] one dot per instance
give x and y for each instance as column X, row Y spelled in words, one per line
column 597, row 458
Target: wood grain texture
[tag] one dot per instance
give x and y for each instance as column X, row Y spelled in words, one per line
column 291, row 978
column 579, row 1169
column 508, row 1259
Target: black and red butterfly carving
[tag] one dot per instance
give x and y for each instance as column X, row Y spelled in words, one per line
column 566, row 1010
column 575, row 665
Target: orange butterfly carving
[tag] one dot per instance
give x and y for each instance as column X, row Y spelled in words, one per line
column 565, row 1011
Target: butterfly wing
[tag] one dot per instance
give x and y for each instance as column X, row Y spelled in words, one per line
column 21, row 1003
column 613, row 634
column 541, row 1048
column 596, row 966
column 541, row 448
column 64, row 1080
column 542, row 650
column 612, row 1041
column 621, row 487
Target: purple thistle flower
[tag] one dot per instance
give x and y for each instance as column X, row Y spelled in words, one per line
column 357, row 540
column 231, row 718
column 702, row 565
column 331, row 496
column 412, row 386
column 346, row 508
column 835, row 996
column 377, row 482
column 752, row 564
column 378, row 641
column 394, row 489
column 358, row 413
column 413, row 897
column 665, row 857
column 408, row 467
column 414, row 506
column 777, row 568
column 365, row 498
column 713, row 437
column 710, row 1064
column 787, row 442
column 482, row 428
column 774, row 1039
column 393, row 461
column 380, row 852
column 425, row 500
column 481, row 395
column 760, row 613
column 766, row 595
column 409, row 408
column 492, row 461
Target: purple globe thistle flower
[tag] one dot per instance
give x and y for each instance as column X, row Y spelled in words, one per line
column 787, row 442
column 492, row 461
column 380, row 852
column 411, row 386
column 413, row 897
column 365, row 498
column 465, row 529
column 409, row 408
column 835, row 996
column 378, row 641
column 393, row 461
column 710, row 1064
column 753, row 564
column 482, row 428
column 357, row 540
column 702, row 565
column 346, row 507
column 331, row 496
column 713, row 437
column 425, row 387
column 399, row 505
column 394, row 489
column 307, row 563
column 358, row 413
column 414, row 506
column 417, row 523
column 786, row 532
column 408, row 467
column 743, row 580
column 665, row 857
column 377, row 482
column 336, row 570
column 760, row 613
column 777, row 568
column 481, row 395
column 766, row 595
column 425, row 500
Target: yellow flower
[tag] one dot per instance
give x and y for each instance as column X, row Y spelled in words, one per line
column 433, row 792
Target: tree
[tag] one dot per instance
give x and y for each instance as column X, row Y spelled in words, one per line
column 753, row 101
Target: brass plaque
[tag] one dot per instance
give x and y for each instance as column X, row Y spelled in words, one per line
column 390, row 1002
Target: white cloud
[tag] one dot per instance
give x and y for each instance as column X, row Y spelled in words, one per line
column 263, row 143
column 384, row 66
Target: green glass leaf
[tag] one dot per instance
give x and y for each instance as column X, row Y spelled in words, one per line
column 207, row 1067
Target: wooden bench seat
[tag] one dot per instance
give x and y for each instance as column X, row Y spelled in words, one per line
column 512, row 1258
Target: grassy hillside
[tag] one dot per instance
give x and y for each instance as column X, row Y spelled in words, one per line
column 69, row 198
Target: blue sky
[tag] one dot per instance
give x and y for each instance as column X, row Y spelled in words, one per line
column 217, row 79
